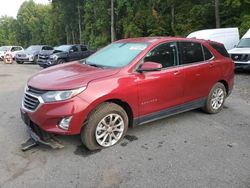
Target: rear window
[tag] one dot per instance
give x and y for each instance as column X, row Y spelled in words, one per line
column 220, row 48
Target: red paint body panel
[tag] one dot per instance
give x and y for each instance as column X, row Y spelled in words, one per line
column 145, row 93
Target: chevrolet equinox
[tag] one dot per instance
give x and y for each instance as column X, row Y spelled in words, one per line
column 128, row 83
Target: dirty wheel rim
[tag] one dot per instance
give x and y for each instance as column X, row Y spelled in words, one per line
column 109, row 130
column 217, row 98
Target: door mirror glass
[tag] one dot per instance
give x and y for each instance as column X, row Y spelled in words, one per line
column 150, row 66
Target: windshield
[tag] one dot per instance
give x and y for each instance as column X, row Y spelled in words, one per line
column 4, row 48
column 64, row 48
column 34, row 48
column 244, row 43
column 116, row 54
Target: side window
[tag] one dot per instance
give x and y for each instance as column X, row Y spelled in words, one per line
column 47, row 48
column 84, row 48
column 13, row 49
column 74, row 49
column 165, row 54
column 190, row 52
column 207, row 54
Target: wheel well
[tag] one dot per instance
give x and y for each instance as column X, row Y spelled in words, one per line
column 225, row 84
column 126, row 107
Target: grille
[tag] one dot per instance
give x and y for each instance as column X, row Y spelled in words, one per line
column 43, row 57
column 241, row 57
column 31, row 96
column 21, row 55
column 30, row 102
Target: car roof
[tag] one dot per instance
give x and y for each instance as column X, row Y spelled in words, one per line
column 68, row 45
column 153, row 40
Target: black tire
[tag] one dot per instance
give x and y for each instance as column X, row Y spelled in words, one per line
column 208, row 108
column 89, row 130
column 19, row 62
column 60, row 61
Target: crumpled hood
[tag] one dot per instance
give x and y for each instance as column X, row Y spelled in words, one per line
column 68, row 76
column 239, row 51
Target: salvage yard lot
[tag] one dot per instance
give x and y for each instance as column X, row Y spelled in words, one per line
column 192, row 149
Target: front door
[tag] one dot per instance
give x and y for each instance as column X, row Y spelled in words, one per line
column 159, row 90
column 74, row 53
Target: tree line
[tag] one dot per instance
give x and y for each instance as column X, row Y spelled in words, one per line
column 89, row 21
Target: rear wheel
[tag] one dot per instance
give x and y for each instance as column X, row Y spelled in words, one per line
column 216, row 99
column 105, row 127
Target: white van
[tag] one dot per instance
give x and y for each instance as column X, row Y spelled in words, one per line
column 227, row 36
column 241, row 53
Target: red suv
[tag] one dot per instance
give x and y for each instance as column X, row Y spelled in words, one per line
column 130, row 82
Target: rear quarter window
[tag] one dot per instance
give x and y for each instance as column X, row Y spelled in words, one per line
column 220, row 48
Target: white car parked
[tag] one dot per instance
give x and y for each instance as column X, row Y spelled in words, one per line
column 241, row 53
column 10, row 50
column 228, row 36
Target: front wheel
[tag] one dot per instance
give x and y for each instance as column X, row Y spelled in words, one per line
column 36, row 59
column 19, row 62
column 105, row 127
column 60, row 61
column 216, row 99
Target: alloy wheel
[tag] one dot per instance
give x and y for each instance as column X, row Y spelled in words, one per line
column 217, row 98
column 109, row 130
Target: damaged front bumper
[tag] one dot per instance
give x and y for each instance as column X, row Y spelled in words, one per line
column 38, row 136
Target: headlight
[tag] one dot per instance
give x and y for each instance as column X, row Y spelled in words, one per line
column 54, row 57
column 52, row 96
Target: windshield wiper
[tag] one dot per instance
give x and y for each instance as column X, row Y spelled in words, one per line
column 93, row 64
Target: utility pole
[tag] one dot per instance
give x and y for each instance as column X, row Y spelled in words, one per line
column 217, row 13
column 112, row 22
column 79, row 23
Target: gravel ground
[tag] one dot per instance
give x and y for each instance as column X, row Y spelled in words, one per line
column 192, row 149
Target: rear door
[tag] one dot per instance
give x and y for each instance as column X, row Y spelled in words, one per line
column 197, row 69
column 159, row 90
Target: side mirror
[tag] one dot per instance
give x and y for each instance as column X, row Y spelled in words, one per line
column 150, row 66
column 71, row 51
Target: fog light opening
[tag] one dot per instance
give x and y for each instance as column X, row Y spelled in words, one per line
column 64, row 123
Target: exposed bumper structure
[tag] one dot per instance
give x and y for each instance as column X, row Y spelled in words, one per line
column 38, row 136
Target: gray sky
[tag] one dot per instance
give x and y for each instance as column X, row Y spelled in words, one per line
column 10, row 7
